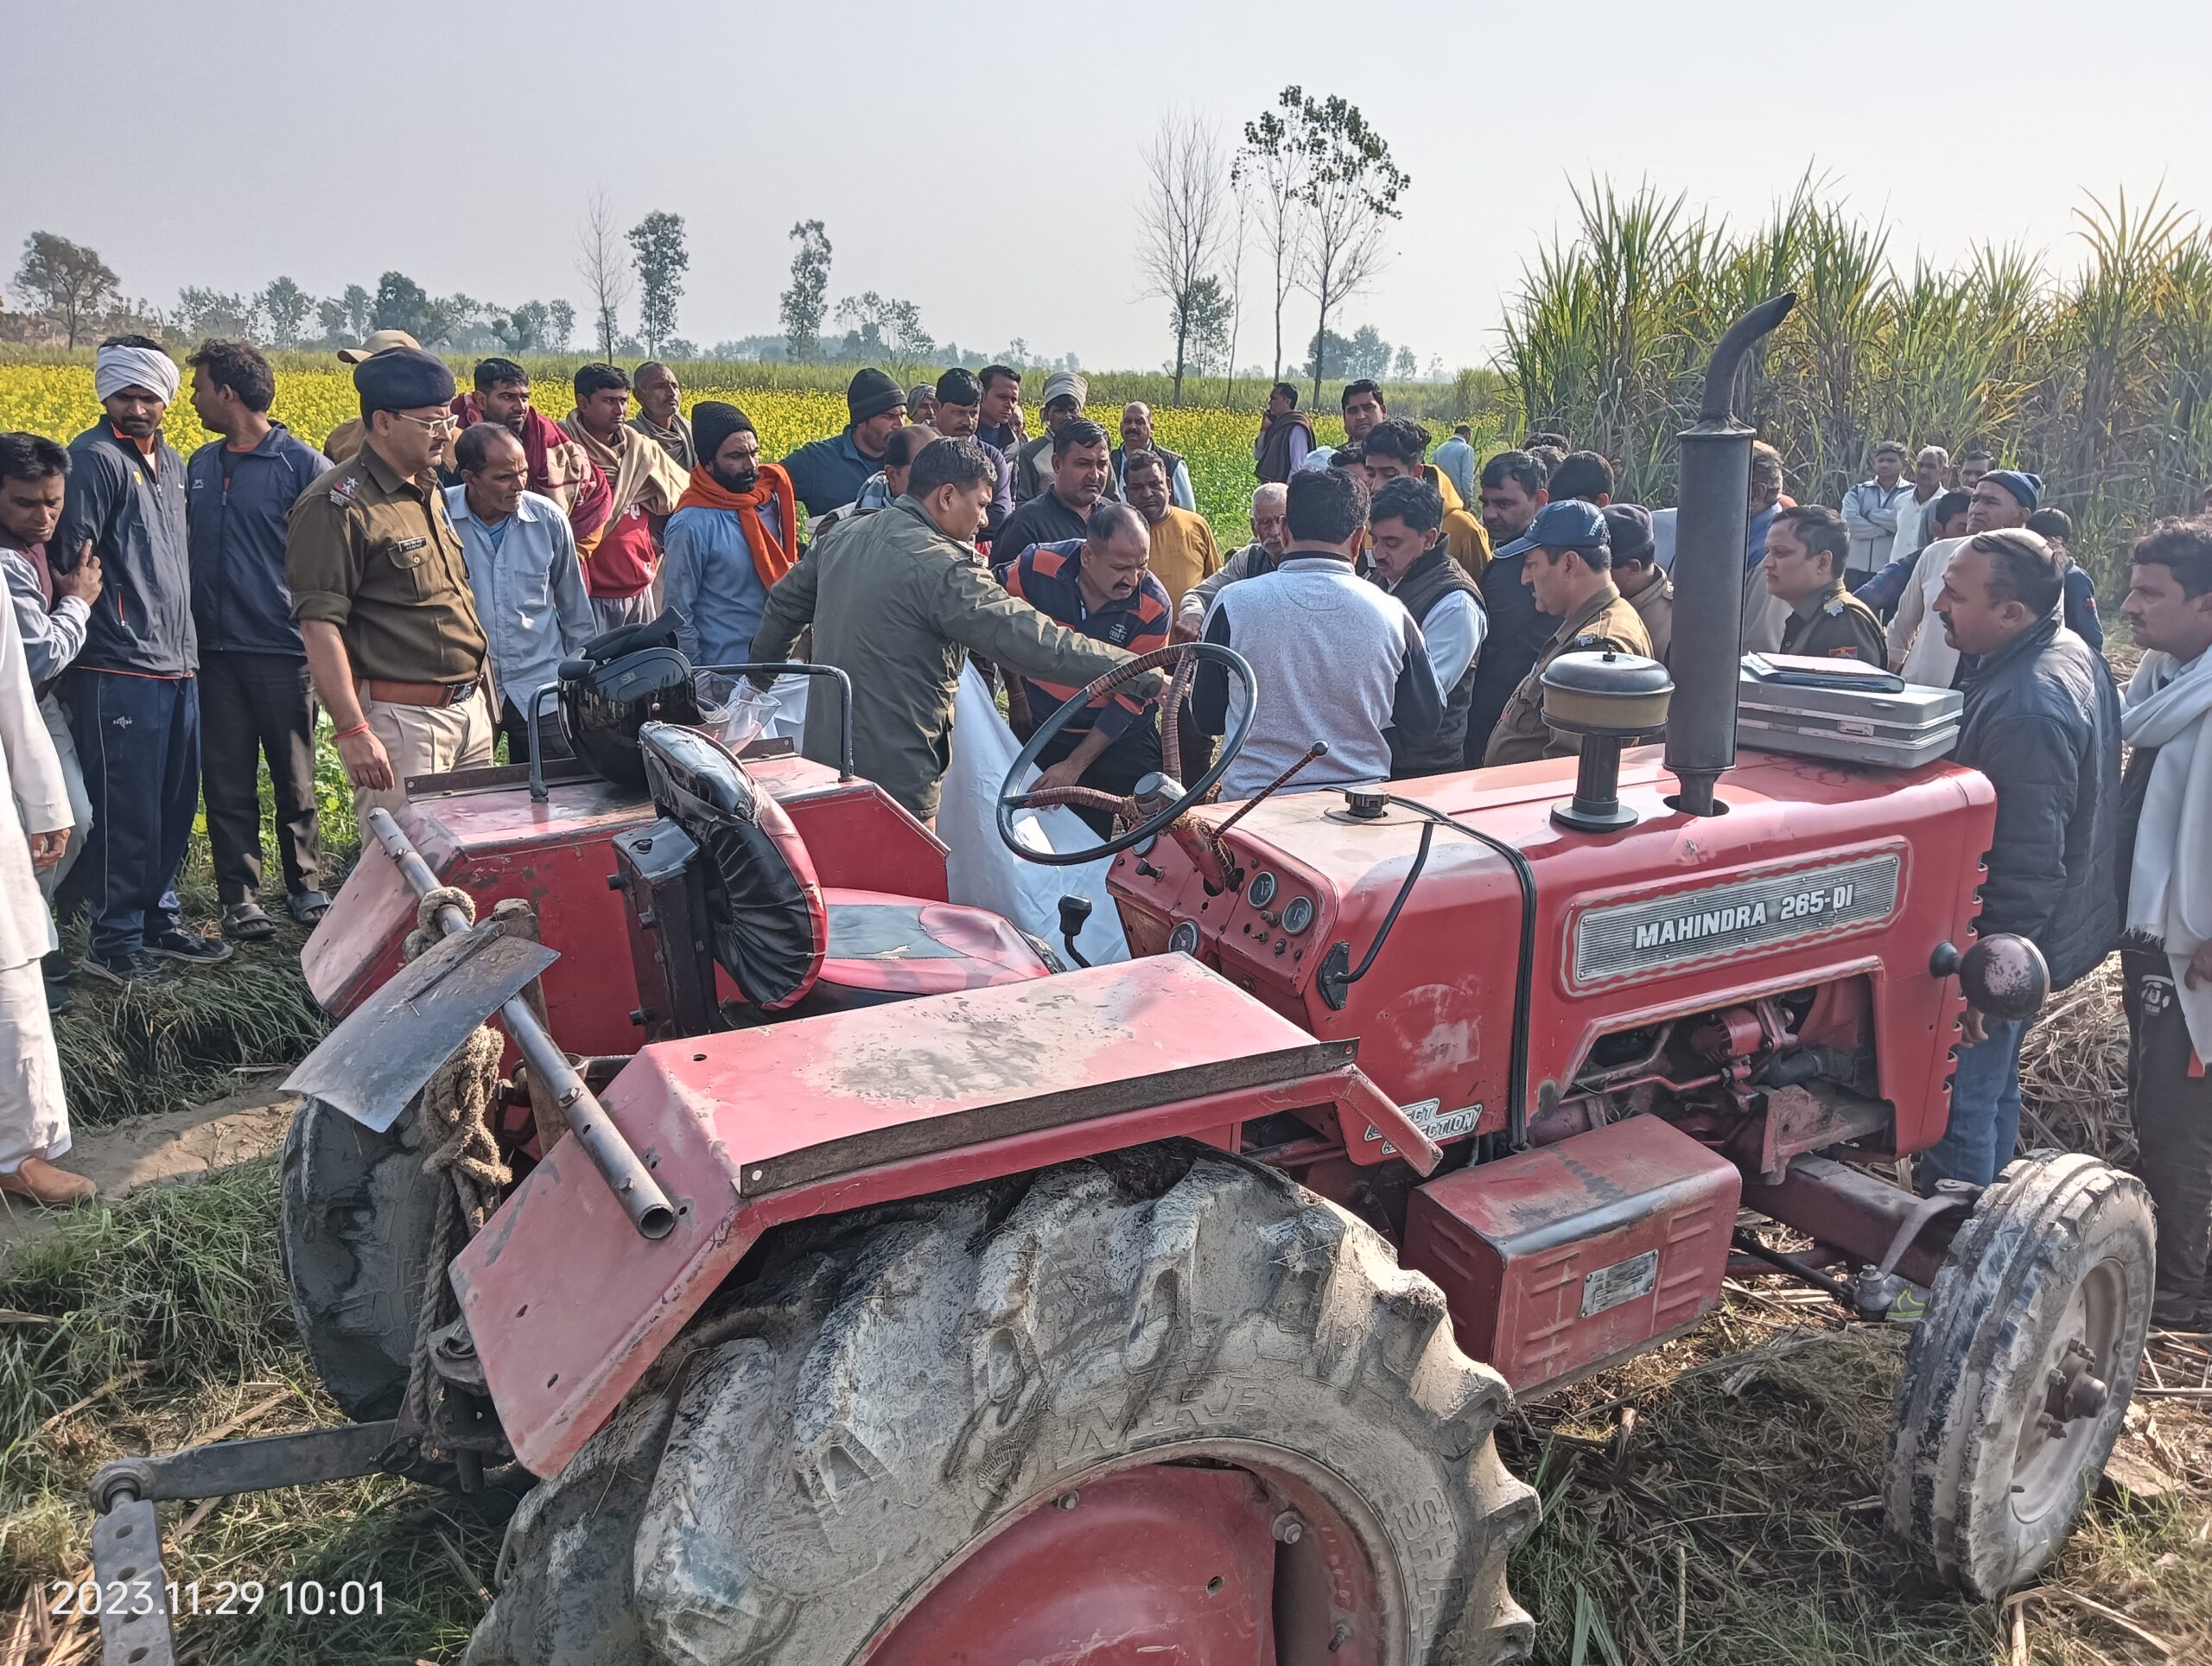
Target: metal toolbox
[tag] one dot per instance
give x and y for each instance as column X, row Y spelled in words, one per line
column 1804, row 707
column 1567, row 1258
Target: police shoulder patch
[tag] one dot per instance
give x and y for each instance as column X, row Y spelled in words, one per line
column 342, row 493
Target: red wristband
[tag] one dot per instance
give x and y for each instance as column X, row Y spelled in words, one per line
column 347, row 735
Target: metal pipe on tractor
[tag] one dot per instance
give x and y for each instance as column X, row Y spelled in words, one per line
column 1712, row 523
column 625, row 1172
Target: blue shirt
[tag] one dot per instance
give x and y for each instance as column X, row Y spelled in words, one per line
column 1457, row 459
column 529, row 591
column 1755, row 536
column 829, row 474
column 236, row 504
column 712, row 582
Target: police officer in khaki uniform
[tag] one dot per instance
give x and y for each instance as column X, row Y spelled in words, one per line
column 1805, row 552
column 1569, row 567
column 345, row 440
column 380, row 589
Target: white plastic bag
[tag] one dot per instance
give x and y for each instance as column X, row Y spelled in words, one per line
column 982, row 872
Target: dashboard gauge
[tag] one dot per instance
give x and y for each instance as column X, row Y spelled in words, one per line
column 1262, row 891
column 1297, row 915
column 1183, row 939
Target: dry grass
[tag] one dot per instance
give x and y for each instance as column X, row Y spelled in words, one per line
column 1716, row 1502
column 1708, row 1503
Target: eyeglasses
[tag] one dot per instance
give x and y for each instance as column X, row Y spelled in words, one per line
column 440, row 423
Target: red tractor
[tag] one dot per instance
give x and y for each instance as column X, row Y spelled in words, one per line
column 878, row 1289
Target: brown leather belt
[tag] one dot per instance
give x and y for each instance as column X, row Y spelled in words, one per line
column 421, row 694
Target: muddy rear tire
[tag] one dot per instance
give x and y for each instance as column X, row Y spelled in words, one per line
column 894, row 1397
column 357, row 1216
column 2017, row 1379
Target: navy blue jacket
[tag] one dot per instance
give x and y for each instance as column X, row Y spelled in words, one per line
column 136, row 524
column 239, row 600
column 2042, row 721
column 829, row 474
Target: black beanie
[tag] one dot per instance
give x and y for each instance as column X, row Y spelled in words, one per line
column 712, row 422
column 870, row 394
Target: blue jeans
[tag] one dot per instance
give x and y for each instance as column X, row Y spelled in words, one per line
column 1985, row 1110
column 138, row 740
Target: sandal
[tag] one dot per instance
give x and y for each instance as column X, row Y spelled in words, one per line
column 247, row 923
column 307, row 906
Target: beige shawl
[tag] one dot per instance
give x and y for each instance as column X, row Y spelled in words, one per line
column 640, row 471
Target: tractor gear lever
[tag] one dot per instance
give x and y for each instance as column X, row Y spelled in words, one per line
column 1075, row 914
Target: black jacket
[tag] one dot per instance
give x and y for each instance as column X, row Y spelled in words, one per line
column 2042, row 721
column 134, row 522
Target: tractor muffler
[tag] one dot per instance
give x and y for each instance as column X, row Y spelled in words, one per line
column 1712, row 523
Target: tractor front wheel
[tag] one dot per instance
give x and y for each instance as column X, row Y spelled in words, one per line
column 1160, row 1405
column 2018, row 1378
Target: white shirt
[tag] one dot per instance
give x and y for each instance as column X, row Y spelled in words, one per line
column 1453, row 630
column 34, row 798
column 1931, row 661
column 1912, row 526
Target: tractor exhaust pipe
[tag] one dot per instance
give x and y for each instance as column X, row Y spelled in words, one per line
column 1711, row 524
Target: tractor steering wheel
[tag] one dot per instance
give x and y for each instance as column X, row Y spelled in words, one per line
column 1159, row 798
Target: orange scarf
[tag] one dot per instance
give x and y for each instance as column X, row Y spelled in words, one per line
column 772, row 557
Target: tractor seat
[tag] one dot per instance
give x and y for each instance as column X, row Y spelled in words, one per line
column 908, row 945
column 791, row 946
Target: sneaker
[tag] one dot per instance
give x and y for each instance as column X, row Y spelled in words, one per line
column 57, row 967
column 138, row 970
column 1910, row 1306
column 188, row 947
column 58, row 998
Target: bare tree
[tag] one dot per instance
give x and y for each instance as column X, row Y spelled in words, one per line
column 601, row 262
column 1350, row 193
column 1180, row 217
column 1271, row 165
column 1241, row 202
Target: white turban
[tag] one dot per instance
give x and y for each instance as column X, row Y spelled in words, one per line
column 117, row 368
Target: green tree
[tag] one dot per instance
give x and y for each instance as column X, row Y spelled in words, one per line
column 560, row 325
column 205, row 315
column 1208, row 313
column 67, row 282
column 1350, row 192
column 524, row 330
column 401, row 304
column 801, row 307
column 661, row 260
column 285, row 307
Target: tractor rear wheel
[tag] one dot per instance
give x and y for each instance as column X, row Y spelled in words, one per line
column 1160, row 1405
column 359, row 1215
column 2018, row 1378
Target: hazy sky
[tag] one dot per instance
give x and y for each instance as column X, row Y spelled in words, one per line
column 982, row 159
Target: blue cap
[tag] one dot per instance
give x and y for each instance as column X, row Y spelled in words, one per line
column 2026, row 488
column 1572, row 524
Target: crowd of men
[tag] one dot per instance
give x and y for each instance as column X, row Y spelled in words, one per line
column 177, row 624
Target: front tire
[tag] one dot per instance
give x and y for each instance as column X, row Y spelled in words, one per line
column 2017, row 1379
column 867, row 1448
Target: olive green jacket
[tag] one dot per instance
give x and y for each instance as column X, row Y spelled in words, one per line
column 895, row 605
